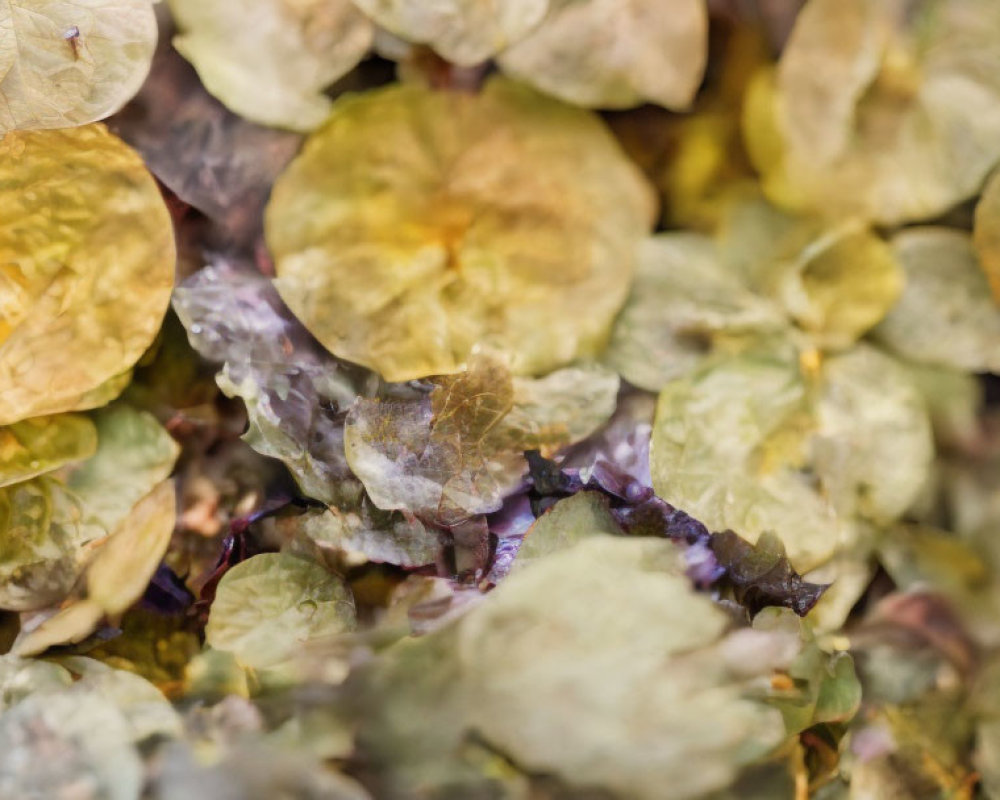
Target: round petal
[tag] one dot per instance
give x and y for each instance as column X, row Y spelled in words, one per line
column 86, row 267
column 615, row 53
column 946, row 316
column 70, row 63
column 417, row 224
column 270, row 60
column 462, row 31
column 888, row 109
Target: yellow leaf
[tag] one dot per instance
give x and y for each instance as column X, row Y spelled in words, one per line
column 270, row 60
column 986, row 233
column 615, row 53
column 44, row 444
column 117, row 576
column 69, row 625
column 416, row 224
column 123, row 566
column 70, row 63
column 86, row 267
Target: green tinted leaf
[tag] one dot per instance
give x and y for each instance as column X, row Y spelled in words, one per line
column 726, row 447
column 91, row 736
column 609, row 54
column 682, row 299
column 146, row 710
column 564, row 407
column 873, row 447
column 953, row 399
column 826, row 688
column 251, row 769
column 41, row 543
column 70, row 63
column 134, row 454
column 22, row 677
column 366, row 533
column 569, row 521
column 946, row 316
column 270, row 605
column 88, row 267
column 597, row 664
column 44, row 444
column 495, row 218
column 629, row 693
column 270, row 60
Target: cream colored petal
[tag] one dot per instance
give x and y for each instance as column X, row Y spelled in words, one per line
column 464, row 32
column 270, row 60
column 615, row 53
column 70, row 62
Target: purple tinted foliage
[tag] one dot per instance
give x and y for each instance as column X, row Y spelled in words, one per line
column 760, row 574
column 514, row 519
column 622, row 446
column 503, row 558
column 757, row 575
column 209, row 157
column 167, row 593
column 296, row 393
column 237, row 546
